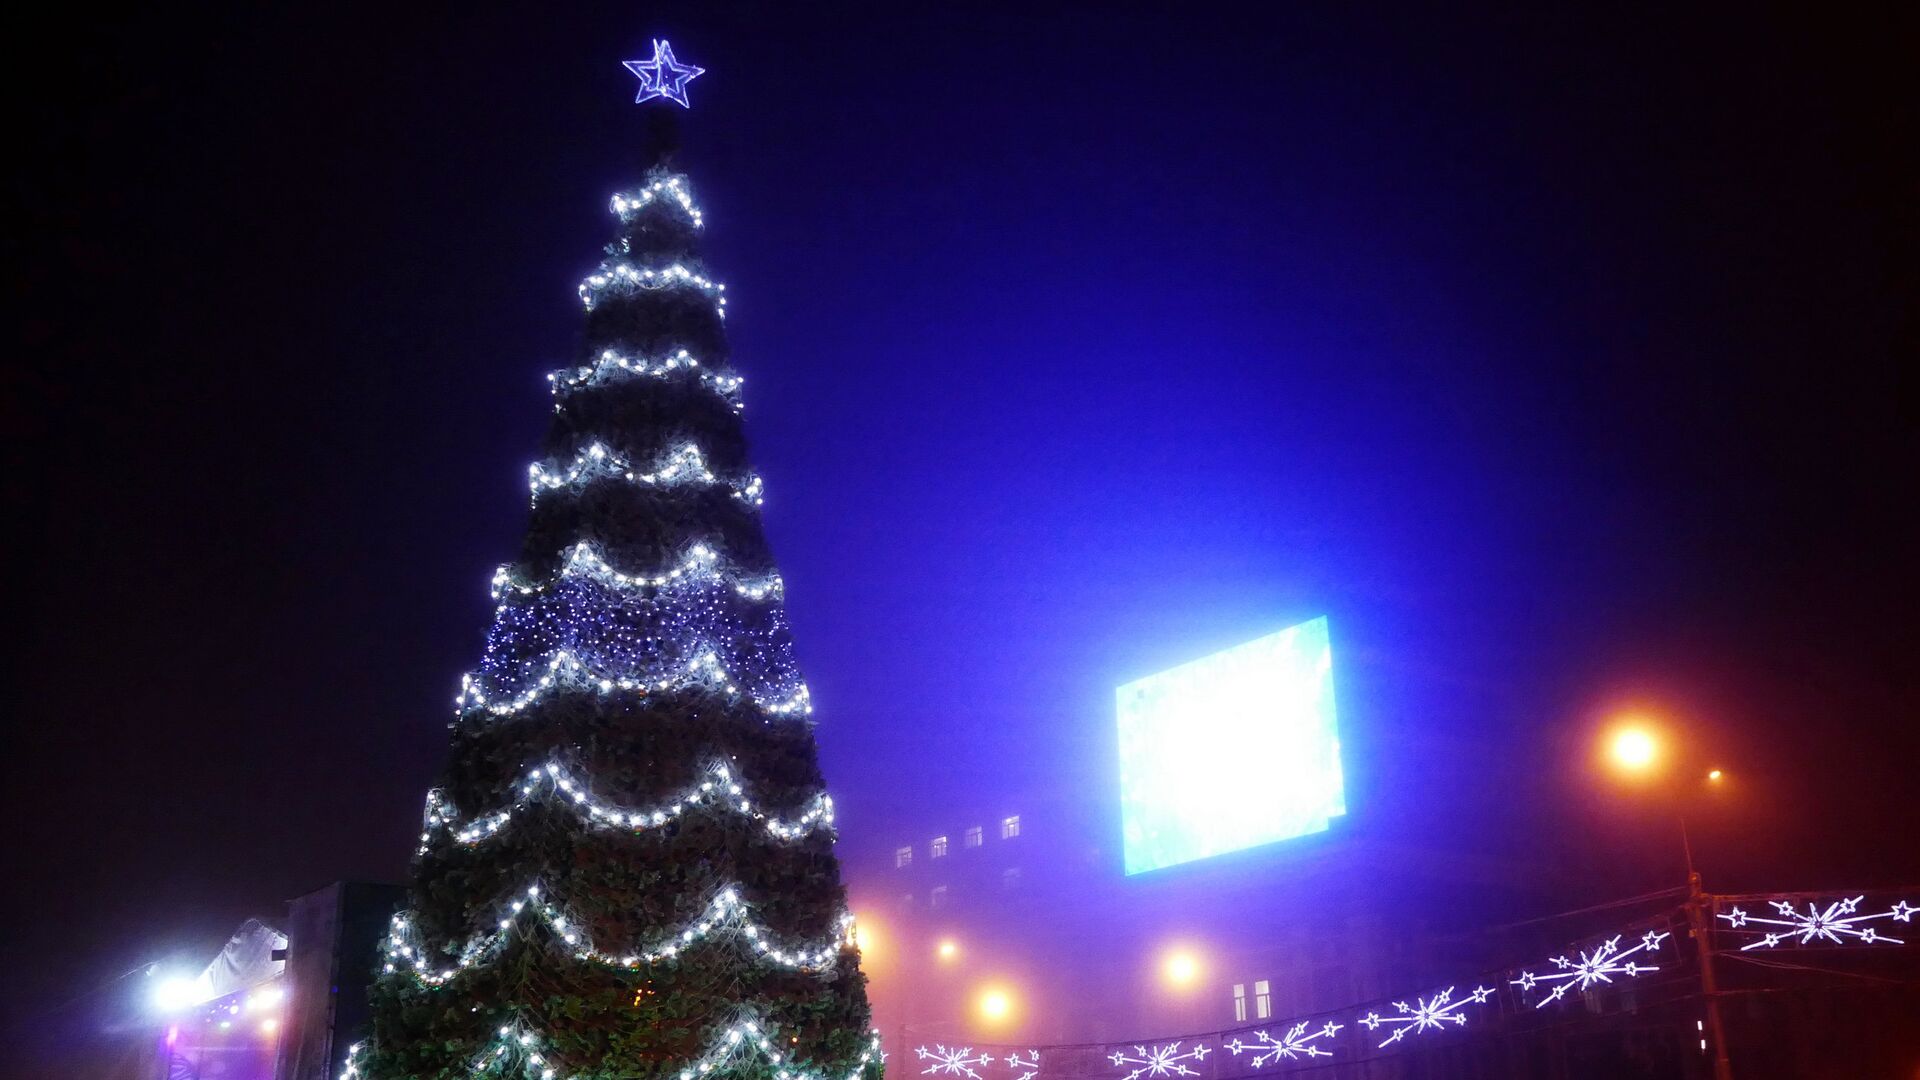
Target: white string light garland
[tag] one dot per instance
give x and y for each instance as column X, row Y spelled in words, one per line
column 684, row 464
column 746, row 1034
column 719, row 790
column 702, row 564
column 564, row 672
column 672, row 189
column 624, row 276
column 726, row 912
column 613, row 365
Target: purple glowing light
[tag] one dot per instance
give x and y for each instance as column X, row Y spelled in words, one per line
column 663, row 76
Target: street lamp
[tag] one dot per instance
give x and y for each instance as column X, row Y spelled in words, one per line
column 995, row 1005
column 1181, row 968
column 1634, row 747
column 948, row 949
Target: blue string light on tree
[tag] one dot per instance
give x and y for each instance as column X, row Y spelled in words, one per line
column 663, row 76
column 703, row 630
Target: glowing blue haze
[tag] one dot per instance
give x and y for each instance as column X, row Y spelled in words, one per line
column 1231, row 751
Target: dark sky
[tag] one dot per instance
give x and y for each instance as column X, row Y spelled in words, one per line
column 1563, row 359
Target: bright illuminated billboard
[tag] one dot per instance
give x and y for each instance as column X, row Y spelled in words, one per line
column 1231, row 751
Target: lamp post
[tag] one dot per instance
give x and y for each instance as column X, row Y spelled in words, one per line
column 1637, row 750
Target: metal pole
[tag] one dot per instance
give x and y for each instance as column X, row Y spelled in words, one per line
column 1686, row 845
column 1699, row 920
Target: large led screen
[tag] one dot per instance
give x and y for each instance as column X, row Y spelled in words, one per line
column 1231, row 751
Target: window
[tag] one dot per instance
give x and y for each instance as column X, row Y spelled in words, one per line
column 974, row 838
column 902, row 856
column 939, row 897
column 1010, row 878
column 1239, row 1003
column 1010, row 827
column 939, row 847
column 1262, row 1000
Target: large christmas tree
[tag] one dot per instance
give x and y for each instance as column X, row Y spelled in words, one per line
column 627, row 870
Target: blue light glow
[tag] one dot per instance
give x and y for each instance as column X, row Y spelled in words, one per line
column 1231, row 751
column 663, row 76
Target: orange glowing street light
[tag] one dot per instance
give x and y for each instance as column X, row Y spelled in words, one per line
column 948, row 949
column 995, row 1005
column 1181, row 967
column 1633, row 748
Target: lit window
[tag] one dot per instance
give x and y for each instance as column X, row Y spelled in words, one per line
column 1262, row 1000
column 1010, row 827
column 1239, row 1003
column 939, row 897
column 1010, row 878
column 974, row 837
column 902, row 856
column 939, row 847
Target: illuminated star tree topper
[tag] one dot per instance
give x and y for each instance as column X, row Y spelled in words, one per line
column 663, row 76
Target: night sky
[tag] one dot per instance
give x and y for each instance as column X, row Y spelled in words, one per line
column 1565, row 361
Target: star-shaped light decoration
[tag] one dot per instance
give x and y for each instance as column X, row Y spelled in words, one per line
column 1426, row 1014
column 663, row 76
column 1297, row 1041
column 1832, row 923
column 1600, row 965
column 961, row 1061
column 1160, row 1061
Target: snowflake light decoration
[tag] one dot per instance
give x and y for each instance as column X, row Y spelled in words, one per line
column 1834, row 922
column 663, row 76
column 1425, row 1014
column 1296, row 1043
column 1599, row 966
column 961, row 1061
column 1024, row 1063
column 1160, row 1061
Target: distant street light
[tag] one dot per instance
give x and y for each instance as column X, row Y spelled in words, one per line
column 996, row 1005
column 948, row 949
column 1181, row 968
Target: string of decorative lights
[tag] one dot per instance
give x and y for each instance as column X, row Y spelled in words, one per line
column 748, row 1033
column 719, row 790
column 683, row 464
column 726, row 912
column 625, row 276
column 704, row 626
column 565, row 672
column 701, row 564
column 612, row 365
column 673, row 188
